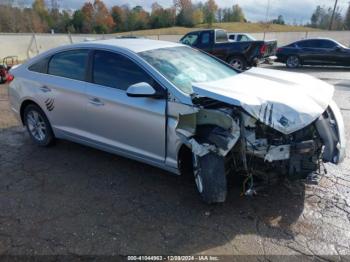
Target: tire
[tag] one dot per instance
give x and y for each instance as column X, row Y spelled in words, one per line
column 293, row 62
column 210, row 178
column 38, row 126
column 238, row 63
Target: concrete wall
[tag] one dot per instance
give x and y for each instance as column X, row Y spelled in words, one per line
column 28, row 45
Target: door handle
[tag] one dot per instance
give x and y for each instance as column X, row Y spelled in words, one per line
column 45, row 89
column 95, row 101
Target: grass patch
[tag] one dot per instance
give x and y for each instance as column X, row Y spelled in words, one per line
column 231, row 27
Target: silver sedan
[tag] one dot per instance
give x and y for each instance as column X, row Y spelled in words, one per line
column 179, row 109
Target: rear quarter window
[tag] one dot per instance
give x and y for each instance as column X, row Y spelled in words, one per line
column 40, row 66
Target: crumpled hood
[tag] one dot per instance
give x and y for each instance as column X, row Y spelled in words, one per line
column 284, row 101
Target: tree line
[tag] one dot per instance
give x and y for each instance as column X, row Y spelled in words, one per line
column 96, row 17
column 322, row 16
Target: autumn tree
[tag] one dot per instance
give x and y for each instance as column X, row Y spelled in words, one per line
column 197, row 16
column 210, row 9
column 102, row 19
column 119, row 17
column 184, row 12
column 96, row 18
column 88, row 17
column 40, row 8
column 140, row 17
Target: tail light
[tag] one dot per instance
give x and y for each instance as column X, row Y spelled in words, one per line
column 263, row 49
column 279, row 50
column 10, row 78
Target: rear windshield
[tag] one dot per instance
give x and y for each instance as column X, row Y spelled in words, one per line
column 221, row 36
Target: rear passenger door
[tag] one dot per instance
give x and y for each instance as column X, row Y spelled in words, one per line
column 307, row 51
column 61, row 91
column 133, row 126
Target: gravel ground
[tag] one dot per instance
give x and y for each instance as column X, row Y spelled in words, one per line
column 74, row 200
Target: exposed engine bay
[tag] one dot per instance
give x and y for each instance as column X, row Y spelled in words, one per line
column 248, row 146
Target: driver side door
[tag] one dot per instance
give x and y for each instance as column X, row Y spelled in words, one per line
column 131, row 126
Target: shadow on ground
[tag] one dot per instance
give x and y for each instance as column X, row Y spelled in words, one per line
column 71, row 199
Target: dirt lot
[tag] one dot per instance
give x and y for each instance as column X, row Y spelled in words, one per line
column 70, row 199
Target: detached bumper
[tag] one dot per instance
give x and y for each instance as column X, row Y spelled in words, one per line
column 265, row 60
column 341, row 146
column 330, row 127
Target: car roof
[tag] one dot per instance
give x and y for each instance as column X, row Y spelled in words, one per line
column 317, row 38
column 205, row 30
column 135, row 45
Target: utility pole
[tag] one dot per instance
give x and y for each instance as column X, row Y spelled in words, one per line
column 267, row 17
column 332, row 18
column 267, row 11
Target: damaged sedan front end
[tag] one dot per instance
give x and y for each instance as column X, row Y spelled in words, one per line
column 253, row 123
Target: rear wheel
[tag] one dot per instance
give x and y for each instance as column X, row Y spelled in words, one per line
column 38, row 126
column 238, row 63
column 210, row 177
column 293, row 62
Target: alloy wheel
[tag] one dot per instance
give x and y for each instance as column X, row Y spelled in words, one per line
column 237, row 63
column 293, row 62
column 36, row 125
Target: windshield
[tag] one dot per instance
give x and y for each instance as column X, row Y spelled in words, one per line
column 184, row 66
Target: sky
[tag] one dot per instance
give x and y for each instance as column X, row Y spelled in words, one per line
column 299, row 11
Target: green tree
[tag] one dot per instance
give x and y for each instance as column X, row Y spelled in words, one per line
column 279, row 20
column 237, row 14
column 78, row 21
column 210, row 9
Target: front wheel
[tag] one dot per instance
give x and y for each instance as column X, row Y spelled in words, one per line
column 293, row 62
column 238, row 63
column 38, row 126
column 210, row 177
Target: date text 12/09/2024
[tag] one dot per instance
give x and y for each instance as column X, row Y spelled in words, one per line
column 173, row 258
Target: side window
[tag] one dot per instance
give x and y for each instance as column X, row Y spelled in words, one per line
column 303, row 44
column 40, row 66
column 117, row 71
column 190, row 39
column 69, row 64
column 205, row 38
column 327, row 44
column 232, row 37
column 315, row 43
column 244, row 38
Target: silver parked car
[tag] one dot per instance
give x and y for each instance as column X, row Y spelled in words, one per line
column 179, row 109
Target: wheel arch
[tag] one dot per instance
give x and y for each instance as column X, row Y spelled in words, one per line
column 24, row 104
column 184, row 160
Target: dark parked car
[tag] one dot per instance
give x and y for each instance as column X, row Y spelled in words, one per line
column 314, row 52
column 239, row 54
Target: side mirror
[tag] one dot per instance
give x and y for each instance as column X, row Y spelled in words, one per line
column 141, row 90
